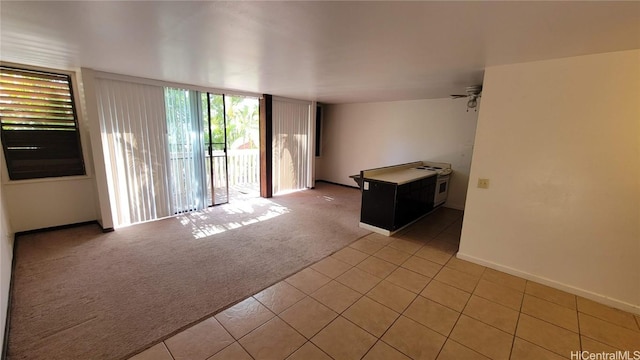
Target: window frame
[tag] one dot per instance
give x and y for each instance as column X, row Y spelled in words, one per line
column 81, row 138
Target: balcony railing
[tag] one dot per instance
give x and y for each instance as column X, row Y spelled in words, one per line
column 243, row 167
column 244, row 174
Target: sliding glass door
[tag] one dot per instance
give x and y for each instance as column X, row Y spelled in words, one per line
column 231, row 140
column 213, row 147
column 215, row 142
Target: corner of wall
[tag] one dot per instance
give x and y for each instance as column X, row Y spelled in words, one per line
column 103, row 205
column 6, row 269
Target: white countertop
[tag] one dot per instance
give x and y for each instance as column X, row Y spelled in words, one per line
column 402, row 176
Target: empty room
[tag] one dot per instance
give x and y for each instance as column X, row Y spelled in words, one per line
column 207, row 180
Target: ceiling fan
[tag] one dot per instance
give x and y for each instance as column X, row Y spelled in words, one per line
column 473, row 93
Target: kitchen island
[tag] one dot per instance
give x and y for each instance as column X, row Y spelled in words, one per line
column 396, row 196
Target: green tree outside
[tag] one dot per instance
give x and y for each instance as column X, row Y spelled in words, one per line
column 242, row 120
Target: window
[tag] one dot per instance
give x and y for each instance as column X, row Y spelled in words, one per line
column 38, row 124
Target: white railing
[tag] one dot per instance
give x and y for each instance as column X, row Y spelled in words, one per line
column 243, row 167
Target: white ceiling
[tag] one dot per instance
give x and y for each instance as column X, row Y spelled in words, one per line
column 333, row 52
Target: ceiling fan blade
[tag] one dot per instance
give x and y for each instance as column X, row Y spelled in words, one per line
column 458, row 96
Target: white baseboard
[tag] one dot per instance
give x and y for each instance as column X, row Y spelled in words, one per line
column 622, row 305
column 375, row 229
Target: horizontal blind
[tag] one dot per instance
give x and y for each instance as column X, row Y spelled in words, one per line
column 39, row 124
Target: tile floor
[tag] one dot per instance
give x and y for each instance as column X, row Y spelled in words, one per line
column 404, row 297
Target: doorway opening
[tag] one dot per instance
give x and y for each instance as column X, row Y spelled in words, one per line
column 231, row 143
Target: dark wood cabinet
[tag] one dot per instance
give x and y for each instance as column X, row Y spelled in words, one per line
column 390, row 206
column 378, row 204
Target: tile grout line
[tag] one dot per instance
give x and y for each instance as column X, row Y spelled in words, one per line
column 578, row 319
column 459, row 314
column 290, row 306
column 243, row 348
column 550, row 323
column 401, row 313
column 607, row 320
column 466, row 347
column 314, row 345
column 332, row 320
column 472, row 294
column 387, row 330
column 603, row 341
column 519, row 313
column 263, row 324
column 515, row 331
column 168, row 350
column 269, row 310
column 285, row 309
column 445, row 305
column 541, row 298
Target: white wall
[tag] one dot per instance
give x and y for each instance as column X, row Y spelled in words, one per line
column 6, row 256
column 367, row 135
column 560, row 142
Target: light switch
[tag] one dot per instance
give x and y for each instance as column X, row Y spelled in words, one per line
column 483, row 183
column 366, row 185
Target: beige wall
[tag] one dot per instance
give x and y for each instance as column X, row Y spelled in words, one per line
column 41, row 204
column 368, row 135
column 560, row 142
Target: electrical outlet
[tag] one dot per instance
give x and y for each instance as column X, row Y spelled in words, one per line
column 483, row 183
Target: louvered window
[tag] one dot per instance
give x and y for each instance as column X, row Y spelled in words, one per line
column 39, row 125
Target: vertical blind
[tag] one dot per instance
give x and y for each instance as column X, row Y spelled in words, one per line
column 154, row 153
column 133, row 125
column 186, row 150
column 292, row 139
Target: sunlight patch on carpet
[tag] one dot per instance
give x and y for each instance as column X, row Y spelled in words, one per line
column 238, row 214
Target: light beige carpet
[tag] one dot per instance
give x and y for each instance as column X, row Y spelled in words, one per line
column 82, row 294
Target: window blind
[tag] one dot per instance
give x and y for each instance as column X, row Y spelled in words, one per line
column 292, row 139
column 39, row 125
column 133, row 127
column 186, row 150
